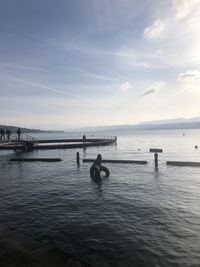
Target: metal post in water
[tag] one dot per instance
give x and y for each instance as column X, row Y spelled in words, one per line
column 156, row 160
column 77, row 158
column 156, row 151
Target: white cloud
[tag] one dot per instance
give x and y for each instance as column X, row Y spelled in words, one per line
column 182, row 8
column 92, row 75
column 14, row 66
column 153, row 88
column 188, row 76
column 156, row 29
column 48, row 88
column 125, row 87
column 175, row 35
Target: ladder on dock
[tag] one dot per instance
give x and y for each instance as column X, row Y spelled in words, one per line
column 25, row 143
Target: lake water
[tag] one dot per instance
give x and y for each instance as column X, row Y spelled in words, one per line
column 136, row 217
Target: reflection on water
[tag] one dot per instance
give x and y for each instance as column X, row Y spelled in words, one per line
column 138, row 216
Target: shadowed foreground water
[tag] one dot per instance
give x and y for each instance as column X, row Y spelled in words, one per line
column 136, row 217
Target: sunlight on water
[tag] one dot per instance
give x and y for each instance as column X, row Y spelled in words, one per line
column 136, row 217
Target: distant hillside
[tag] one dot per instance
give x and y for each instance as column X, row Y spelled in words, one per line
column 172, row 121
column 24, row 130
column 144, row 127
column 175, row 124
column 167, row 126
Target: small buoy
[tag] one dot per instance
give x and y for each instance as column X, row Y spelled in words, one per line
column 196, row 147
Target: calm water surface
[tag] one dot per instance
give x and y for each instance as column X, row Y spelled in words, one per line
column 136, row 217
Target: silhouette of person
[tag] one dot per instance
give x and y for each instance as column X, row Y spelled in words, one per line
column 84, row 139
column 18, row 134
column 8, row 133
column 2, row 134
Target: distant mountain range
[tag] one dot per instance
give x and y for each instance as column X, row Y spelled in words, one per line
column 170, row 124
column 172, row 121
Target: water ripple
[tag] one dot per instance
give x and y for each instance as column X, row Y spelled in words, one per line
column 136, row 217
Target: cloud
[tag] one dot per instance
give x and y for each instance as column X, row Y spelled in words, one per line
column 125, row 87
column 49, row 88
column 153, row 88
column 182, row 8
column 92, row 75
column 156, row 29
column 149, row 91
column 188, row 76
column 20, row 67
column 179, row 9
column 178, row 27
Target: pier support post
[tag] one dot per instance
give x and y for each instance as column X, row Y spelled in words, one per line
column 77, row 158
column 156, row 160
column 155, row 151
column 28, row 146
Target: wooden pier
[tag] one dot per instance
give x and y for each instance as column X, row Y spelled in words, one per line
column 29, row 145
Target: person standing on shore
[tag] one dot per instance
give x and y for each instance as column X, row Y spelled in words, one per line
column 2, row 134
column 18, row 134
column 8, row 133
column 84, row 139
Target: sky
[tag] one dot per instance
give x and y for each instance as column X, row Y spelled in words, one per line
column 68, row 64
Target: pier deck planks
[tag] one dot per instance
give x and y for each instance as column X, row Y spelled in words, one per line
column 61, row 144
